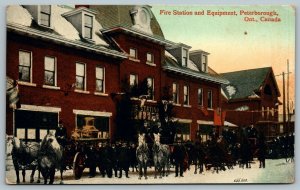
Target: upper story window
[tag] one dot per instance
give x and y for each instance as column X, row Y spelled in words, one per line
column 204, row 63
column 200, row 97
column 45, row 15
column 209, row 99
column 25, row 66
column 80, row 76
column 100, row 82
column 268, row 90
column 150, row 83
column 150, row 58
column 184, row 57
column 133, row 53
column 88, row 26
column 186, row 97
column 133, row 80
column 175, row 92
column 50, row 71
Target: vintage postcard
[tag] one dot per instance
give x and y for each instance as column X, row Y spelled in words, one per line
column 150, row 94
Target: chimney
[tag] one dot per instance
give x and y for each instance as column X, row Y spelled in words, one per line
column 78, row 6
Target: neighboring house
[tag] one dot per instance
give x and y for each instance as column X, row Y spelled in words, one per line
column 290, row 124
column 68, row 61
column 251, row 98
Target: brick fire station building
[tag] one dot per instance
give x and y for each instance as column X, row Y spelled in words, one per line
column 69, row 61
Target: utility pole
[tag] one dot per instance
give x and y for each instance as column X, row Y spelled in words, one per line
column 286, row 107
column 284, row 110
column 288, row 99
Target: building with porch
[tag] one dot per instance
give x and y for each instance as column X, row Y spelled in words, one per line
column 251, row 98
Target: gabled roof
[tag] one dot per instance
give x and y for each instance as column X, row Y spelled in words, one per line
column 245, row 83
column 172, row 65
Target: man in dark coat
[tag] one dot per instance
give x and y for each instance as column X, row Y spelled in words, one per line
column 124, row 159
column 262, row 150
column 179, row 154
column 61, row 134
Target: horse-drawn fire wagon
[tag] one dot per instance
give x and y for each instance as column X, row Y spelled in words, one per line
column 85, row 138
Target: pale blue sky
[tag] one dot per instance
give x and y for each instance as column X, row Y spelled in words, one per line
column 265, row 44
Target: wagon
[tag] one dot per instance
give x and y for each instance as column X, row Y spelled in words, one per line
column 89, row 135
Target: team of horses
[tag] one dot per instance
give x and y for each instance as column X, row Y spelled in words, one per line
column 48, row 157
column 45, row 157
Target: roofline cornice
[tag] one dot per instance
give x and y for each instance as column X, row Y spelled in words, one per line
column 196, row 75
column 60, row 40
column 79, row 10
column 140, row 34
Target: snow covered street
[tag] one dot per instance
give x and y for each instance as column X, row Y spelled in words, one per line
column 276, row 171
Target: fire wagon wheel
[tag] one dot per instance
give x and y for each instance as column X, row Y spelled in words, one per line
column 78, row 165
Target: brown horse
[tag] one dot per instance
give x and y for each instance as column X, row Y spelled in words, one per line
column 25, row 156
column 50, row 158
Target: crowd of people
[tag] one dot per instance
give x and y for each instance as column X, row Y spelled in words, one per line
column 218, row 153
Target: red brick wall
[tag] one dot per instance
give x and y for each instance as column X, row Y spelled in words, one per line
column 65, row 98
column 194, row 112
column 140, row 67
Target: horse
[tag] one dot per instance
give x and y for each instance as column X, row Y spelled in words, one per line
column 50, row 158
column 199, row 157
column 142, row 155
column 25, row 156
column 161, row 155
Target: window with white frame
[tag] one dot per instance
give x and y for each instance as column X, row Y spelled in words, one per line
column 34, row 125
column 25, row 66
column 209, row 99
column 204, row 63
column 80, row 76
column 150, row 82
column 100, row 82
column 200, row 97
column 133, row 53
column 205, row 131
column 150, row 58
column 88, row 26
column 186, row 95
column 133, row 80
column 184, row 57
column 45, row 15
column 50, row 71
column 100, row 122
column 175, row 92
column 183, row 131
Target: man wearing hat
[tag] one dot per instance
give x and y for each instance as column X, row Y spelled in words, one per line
column 61, row 134
column 179, row 153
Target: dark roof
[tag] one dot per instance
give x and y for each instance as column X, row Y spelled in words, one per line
column 119, row 15
column 173, row 66
column 245, row 82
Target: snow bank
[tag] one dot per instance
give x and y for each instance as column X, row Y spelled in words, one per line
column 191, row 65
column 61, row 25
column 18, row 15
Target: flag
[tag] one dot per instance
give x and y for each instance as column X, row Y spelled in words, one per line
column 217, row 117
column 12, row 92
column 223, row 117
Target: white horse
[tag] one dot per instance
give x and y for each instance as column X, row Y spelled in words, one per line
column 161, row 155
column 142, row 155
column 50, row 158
